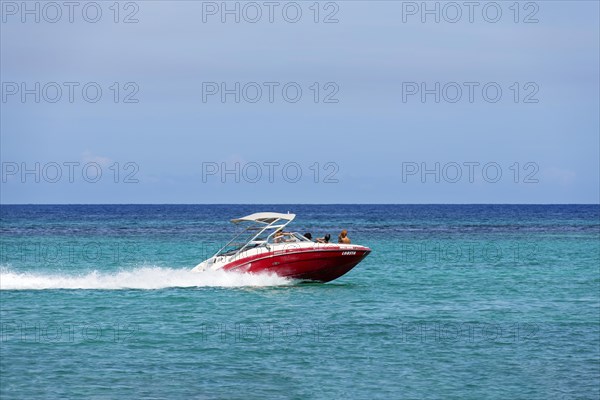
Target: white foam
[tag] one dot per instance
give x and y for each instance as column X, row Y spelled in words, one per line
column 138, row 278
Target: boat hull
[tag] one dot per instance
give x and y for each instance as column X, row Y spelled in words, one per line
column 306, row 264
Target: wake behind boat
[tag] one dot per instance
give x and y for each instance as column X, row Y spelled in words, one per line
column 263, row 247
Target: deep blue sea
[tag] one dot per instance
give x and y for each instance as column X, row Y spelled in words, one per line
column 454, row 302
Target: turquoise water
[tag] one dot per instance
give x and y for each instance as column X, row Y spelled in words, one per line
column 464, row 302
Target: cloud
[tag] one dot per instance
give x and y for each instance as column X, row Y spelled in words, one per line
column 89, row 157
column 558, row 175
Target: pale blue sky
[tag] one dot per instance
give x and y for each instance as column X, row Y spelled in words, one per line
column 368, row 136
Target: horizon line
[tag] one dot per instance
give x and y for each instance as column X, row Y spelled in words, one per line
column 297, row 204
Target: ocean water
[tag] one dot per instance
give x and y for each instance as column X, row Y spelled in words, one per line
column 455, row 301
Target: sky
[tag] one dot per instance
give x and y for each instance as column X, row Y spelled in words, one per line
column 299, row 102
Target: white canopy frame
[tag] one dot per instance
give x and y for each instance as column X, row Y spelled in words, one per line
column 261, row 222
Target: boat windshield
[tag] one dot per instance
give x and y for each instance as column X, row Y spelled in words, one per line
column 245, row 237
column 248, row 241
column 260, row 232
column 288, row 237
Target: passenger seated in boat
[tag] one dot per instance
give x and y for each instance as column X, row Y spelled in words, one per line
column 324, row 239
column 280, row 237
column 308, row 235
column 343, row 238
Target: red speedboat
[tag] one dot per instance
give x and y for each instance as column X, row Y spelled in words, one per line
column 263, row 247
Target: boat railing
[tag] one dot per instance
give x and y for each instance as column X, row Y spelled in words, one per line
column 260, row 228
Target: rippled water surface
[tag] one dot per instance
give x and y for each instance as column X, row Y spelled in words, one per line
column 467, row 302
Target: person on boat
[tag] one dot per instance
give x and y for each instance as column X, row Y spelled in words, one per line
column 278, row 236
column 324, row 239
column 343, row 238
column 308, row 235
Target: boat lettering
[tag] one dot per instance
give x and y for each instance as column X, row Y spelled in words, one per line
column 348, row 253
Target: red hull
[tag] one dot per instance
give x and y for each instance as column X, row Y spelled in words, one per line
column 321, row 265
